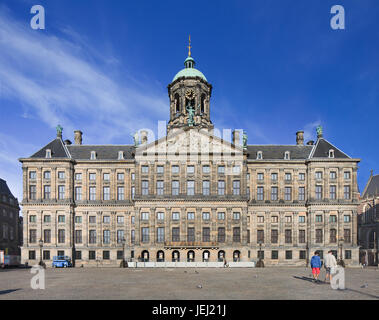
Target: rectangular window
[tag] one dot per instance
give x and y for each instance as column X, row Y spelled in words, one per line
column 175, row 234
column 346, row 175
column 46, row 255
column 32, row 255
column 318, row 175
column 106, row 219
column 160, row 188
column 236, row 215
column 274, row 193
column 120, row 176
column 221, row 215
column 332, row 193
column 145, row 187
column 274, row 236
column 318, row 192
column 160, row 216
column 191, row 234
column 236, row 170
column 287, row 176
column 221, row 169
column 260, row 236
column 333, row 236
column 347, row 235
column 78, row 236
column 61, row 236
column 301, row 193
column 92, row 176
column 46, row 175
column 175, row 188
column 144, row 169
column 260, row 176
column 145, row 235
column 318, row 218
column 92, row 219
column 105, row 255
column 120, row 193
column 288, row 193
column 120, row 219
column 47, row 219
column 32, row 236
column 61, row 219
column 221, row 234
column 32, row 175
column 302, row 254
column 78, row 176
column 133, row 176
column 61, row 191
column 333, row 175
column 236, row 234
column 60, row 174
column 32, row 192
column 160, row 169
column 236, row 187
column 175, row 169
column 78, row 193
column 106, row 176
column 132, row 236
column 175, row 216
column 120, row 236
column 301, row 236
column 288, row 236
column 348, row 254
column 78, row 219
column 221, row 187
column 274, row 176
column 190, row 169
column 288, row 219
column 260, row 193
column 160, row 234
column 46, row 236
column 301, row 219
column 46, row 192
column 144, row 216
column 248, row 236
column 206, row 190
column 288, row 254
column 206, row 234
column 190, row 215
column 261, row 219
column 346, row 192
column 346, row 218
column 274, row 254
column 318, row 235
column 302, row 176
column 92, row 255
column 92, row 193
column 206, row 216
column 333, row 218
column 190, row 188
column 133, row 191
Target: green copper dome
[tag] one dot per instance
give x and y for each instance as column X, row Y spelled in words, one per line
column 189, row 70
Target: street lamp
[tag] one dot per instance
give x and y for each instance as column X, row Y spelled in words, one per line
column 340, row 260
column 123, row 241
column 40, row 242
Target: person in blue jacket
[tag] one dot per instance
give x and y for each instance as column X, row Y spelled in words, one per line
column 316, row 265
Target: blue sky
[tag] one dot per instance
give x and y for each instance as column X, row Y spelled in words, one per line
column 103, row 67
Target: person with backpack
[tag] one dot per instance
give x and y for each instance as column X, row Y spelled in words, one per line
column 316, row 265
column 330, row 262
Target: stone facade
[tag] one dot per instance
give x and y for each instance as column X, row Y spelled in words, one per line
column 9, row 221
column 190, row 196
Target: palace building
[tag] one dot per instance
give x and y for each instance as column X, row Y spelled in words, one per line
column 189, row 196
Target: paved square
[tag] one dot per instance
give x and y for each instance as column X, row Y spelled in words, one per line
column 255, row 283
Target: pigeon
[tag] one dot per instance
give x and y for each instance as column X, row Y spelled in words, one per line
column 196, row 271
column 199, row 286
column 365, row 285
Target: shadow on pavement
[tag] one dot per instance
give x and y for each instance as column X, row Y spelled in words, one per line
column 304, row 278
column 8, row 291
column 365, row 294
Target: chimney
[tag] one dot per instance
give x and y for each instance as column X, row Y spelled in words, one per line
column 236, row 137
column 67, row 142
column 310, row 143
column 143, row 136
column 300, row 138
column 78, row 137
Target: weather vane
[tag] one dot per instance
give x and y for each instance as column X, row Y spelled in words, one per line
column 189, row 46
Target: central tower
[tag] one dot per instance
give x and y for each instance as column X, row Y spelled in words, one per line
column 189, row 94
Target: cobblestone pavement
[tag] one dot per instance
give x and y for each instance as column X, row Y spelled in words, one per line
column 170, row 283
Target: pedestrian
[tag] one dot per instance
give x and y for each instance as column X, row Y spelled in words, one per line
column 316, row 265
column 330, row 262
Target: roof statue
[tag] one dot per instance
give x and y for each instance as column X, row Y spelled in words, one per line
column 319, row 131
column 191, row 112
column 244, row 139
column 59, row 130
column 136, row 139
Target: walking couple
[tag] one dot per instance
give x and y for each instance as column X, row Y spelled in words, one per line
column 316, row 264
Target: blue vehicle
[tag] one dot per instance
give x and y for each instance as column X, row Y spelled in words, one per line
column 61, row 262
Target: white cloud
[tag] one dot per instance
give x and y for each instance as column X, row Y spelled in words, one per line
column 310, row 130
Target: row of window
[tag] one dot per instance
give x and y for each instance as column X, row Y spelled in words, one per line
column 7, row 232
column 190, row 169
column 11, row 214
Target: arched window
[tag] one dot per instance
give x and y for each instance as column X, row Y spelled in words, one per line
column 286, row 155
column 236, row 256
column 93, row 155
column 177, row 103
column 331, row 153
column 221, row 255
column 202, row 105
column 175, row 256
column 191, row 256
column 145, row 256
column 259, row 155
column 160, row 256
column 120, row 155
column 48, row 153
column 206, row 256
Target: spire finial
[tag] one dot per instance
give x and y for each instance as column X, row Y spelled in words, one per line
column 189, row 46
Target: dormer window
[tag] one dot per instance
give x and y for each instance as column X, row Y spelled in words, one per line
column 286, row 155
column 259, row 155
column 120, row 155
column 48, row 153
column 331, row 153
column 93, row 155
